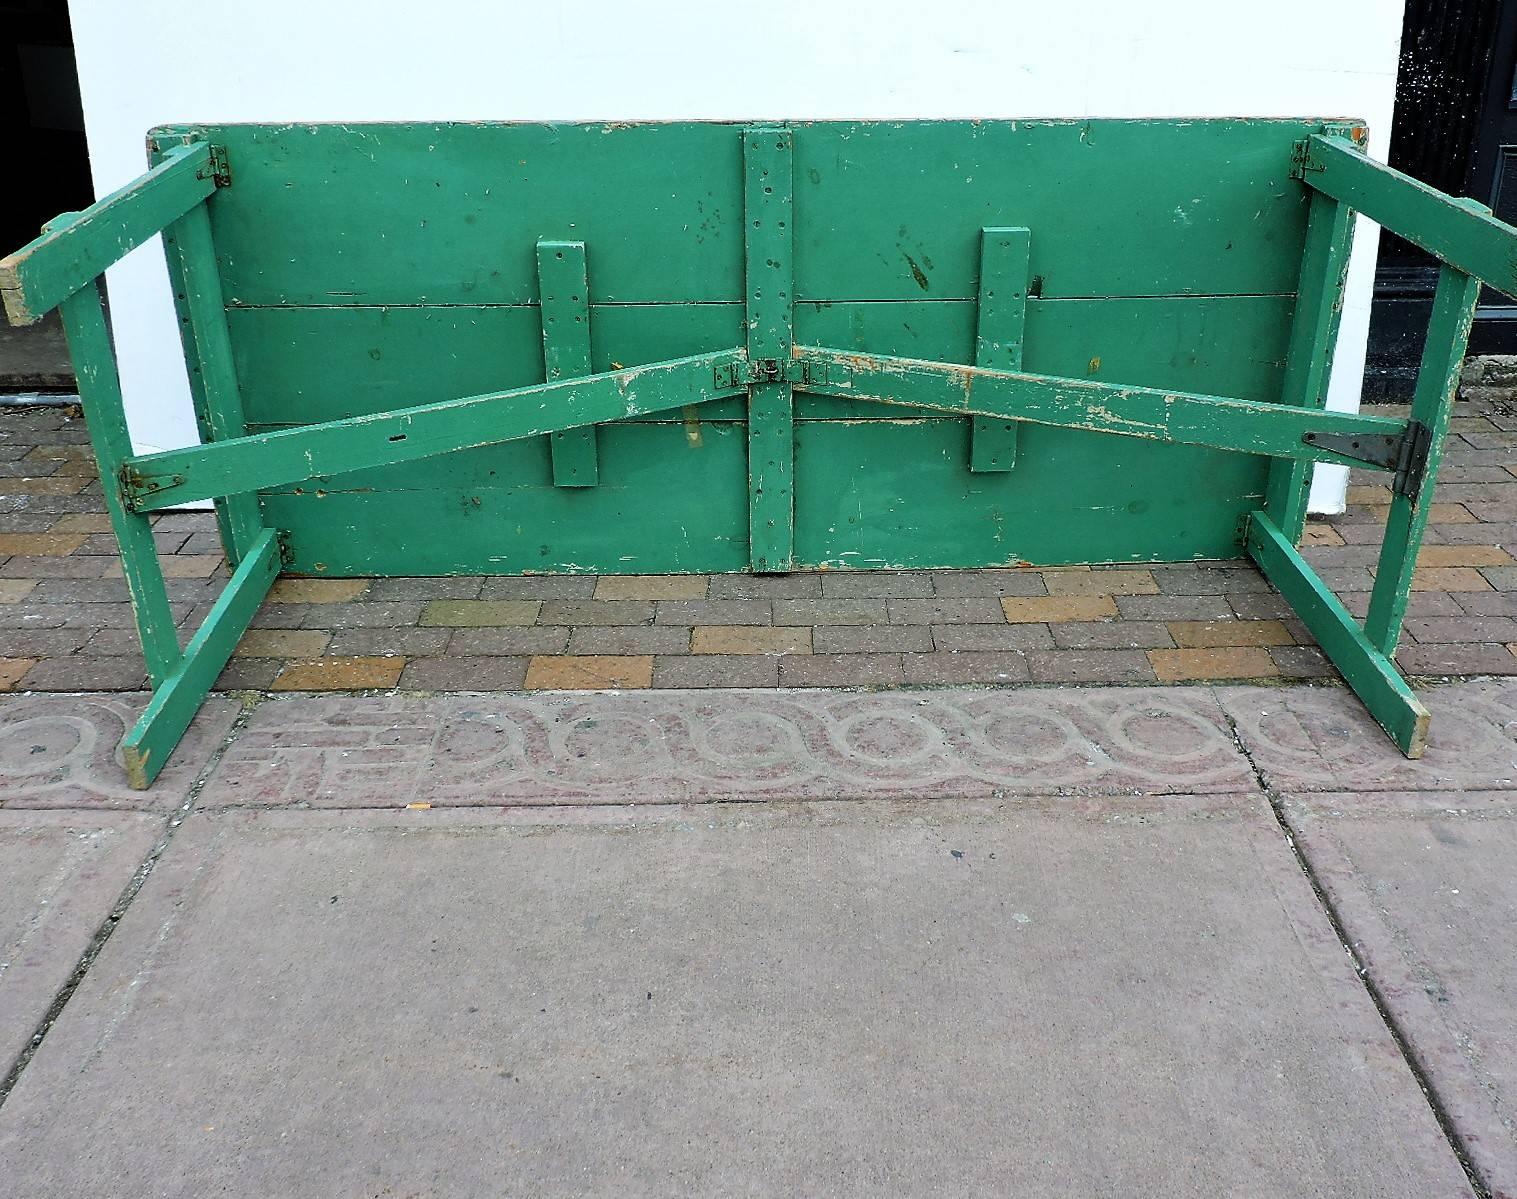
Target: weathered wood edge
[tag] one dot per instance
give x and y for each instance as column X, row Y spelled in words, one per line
column 74, row 252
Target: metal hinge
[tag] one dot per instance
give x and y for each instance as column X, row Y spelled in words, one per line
column 769, row 370
column 218, row 168
column 1405, row 455
column 1411, row 465
column 1301, row 156
column 766, row 370
column 133, row 485
column 1301, row 160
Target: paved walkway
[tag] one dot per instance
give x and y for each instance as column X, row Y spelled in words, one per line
column 676, row 938
column 65, row 623
column 1033, row 941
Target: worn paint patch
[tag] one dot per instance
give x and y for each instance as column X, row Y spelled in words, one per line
column 916, row 271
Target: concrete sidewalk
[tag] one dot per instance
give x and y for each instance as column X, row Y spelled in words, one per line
column 1031, row 942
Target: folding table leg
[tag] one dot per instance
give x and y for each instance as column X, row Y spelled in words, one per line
column 212, row 373
column 180, row 680
column 1365, row 656
column 89, row 343
column 1309, row 360
column 1437, row 380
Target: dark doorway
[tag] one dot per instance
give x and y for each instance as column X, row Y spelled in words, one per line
column 49, row 171
column 1455, row 127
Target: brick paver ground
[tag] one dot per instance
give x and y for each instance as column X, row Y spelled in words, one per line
column 65, row 624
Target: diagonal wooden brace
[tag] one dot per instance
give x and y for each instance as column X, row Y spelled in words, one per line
column 263, row 460
column 1244, row 426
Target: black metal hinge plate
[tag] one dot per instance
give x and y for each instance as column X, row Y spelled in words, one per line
column 220, row 169
column 1405, row 455
column 769, row 370
column 1416, row 448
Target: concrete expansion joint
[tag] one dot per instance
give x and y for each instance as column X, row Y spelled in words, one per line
column 134, row 885
column 1361, row 968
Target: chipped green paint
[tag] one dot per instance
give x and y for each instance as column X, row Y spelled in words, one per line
column 262, row 460
column 1221, row 345
column 812, row 344
column 1240, row 426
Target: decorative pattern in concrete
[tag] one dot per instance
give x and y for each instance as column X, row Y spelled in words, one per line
column 654, row 747
column 1169, row 971
column 1321, row 738
column 61, row 751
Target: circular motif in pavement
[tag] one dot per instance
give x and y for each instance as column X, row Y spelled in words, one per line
column 608, row 744
column 1164, row 734
column 745, row 739
column 43, row 745
column 894, row 739
column 1026, row 734
column 1322, row 738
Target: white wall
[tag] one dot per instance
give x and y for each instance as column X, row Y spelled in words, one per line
column 155, row 61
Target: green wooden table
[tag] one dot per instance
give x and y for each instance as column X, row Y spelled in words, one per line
column 496, row 348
